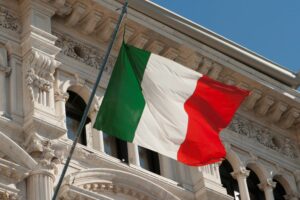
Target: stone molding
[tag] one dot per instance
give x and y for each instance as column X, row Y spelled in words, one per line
column 8, row 20
column 13, row 171
column 264, row 136
column 265, row 104
column 99, row 180
column 115, row 188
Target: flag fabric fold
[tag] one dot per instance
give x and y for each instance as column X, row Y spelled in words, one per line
column 161, row 105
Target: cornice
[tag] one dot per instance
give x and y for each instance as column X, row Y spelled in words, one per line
column 216, row 41
column 269, row 99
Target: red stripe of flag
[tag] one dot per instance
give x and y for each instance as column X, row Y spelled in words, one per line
column 210, row 109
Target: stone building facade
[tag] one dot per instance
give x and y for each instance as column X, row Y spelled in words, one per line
column 50, row 51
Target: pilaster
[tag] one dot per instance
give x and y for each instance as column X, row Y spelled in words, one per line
column 207, row 182
column 133, row 154
column 97, row 141
column 167, row 167
column 60, row 104
column 15, row 85
column 4, row 72
column 39, row 65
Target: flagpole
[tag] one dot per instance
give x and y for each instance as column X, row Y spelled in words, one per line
column 87, row 108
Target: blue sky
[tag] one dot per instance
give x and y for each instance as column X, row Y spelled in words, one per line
column 270, row 28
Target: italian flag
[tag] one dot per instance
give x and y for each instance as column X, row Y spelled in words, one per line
column 161, row 105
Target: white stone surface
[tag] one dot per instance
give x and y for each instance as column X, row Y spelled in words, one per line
column 49, row 47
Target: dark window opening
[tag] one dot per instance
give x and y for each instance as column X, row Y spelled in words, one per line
column 149, row 160
column 279, row 191
column 227, row 180
column 74, row 111
column 115, row 147
column 254, row 192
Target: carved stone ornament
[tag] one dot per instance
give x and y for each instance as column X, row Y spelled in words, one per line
column 81, row 52
column 7, row 196
column 269, row 183
column 114, row 188
column 10, row 171
column 8, row 20
column 264, row 136
column 40, row 70
column 41, row 149
column 242, row 172
column 61, row 96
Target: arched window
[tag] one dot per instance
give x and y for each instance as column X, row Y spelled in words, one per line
column 279, row 191
column 115, row 147
column 74, row 110
column 254, row 192
column 227, row 180
column 149, row 160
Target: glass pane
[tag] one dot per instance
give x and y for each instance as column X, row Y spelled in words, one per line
column 115, row 147
column 144, row 161
column 149, row 160
column 72, row 126
column 110, row 146
column 74, row 111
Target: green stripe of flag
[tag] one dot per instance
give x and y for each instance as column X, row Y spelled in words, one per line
column 123, row 103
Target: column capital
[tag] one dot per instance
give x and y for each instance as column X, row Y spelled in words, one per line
column 61, row 96
column 242, row 172
column 42, row 151
column 267, row 184
column 44, row 172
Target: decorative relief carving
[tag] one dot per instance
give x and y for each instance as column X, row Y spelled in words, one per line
column 11, row 172
column 7, row 196
column 114, row 188
column 81, row 52
column 242, row 172
column 61, row 96
column 8, row 20
column 39, row 78
column 41, row 150
column 264, row 136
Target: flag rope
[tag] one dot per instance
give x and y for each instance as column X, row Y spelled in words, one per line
column 87, row 108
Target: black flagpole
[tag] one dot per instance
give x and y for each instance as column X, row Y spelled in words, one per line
column 87, row 108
